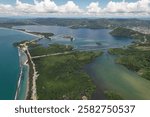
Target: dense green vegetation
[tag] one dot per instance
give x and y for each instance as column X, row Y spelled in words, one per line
column 111, row 95
column 36, row 50
column 134, row 58
column 62, row 76
column 124, row 32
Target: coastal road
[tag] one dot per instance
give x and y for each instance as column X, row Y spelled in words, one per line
column 54, row 54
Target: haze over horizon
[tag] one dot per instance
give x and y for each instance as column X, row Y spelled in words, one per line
column 75, row 8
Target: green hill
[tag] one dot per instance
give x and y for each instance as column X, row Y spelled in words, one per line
column 128, row 33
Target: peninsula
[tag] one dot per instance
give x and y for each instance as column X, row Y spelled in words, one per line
column 40, row 34
column 136, row 57
column 56, row 72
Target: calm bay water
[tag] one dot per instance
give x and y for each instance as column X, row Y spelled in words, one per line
column 9, row 62
column 84, row 38
column 106, row 74
column 110, row 76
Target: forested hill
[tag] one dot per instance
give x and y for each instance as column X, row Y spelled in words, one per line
column 76, row 23
column 128, row 33
column 124, row 32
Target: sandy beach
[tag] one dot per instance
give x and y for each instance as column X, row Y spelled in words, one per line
column 32, row 77
column 26, row 32
column 31, row 92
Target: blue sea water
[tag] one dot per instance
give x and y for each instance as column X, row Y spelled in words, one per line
column 9, row 62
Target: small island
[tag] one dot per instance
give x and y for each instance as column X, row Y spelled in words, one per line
column 68, row 37
column 99, row 43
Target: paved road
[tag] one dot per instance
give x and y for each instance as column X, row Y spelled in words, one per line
column 54, row 54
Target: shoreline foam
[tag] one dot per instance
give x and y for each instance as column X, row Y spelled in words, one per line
column 35, row 73
column 20, row 75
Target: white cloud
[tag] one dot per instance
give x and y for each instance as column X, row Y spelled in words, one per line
column 69, row 7
column 45, row 6
column 93, row 8
column 139, row 8
column 7, row 10
column 4, row 8
column 116, row 7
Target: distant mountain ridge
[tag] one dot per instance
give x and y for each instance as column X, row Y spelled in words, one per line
column 76, row 23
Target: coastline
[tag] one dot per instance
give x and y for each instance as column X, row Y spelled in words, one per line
column 20, row 75
column 27, row 86
column 31, row 79
column 30, row 93
column 21, row 67
column 28, row 33
column 25, row 32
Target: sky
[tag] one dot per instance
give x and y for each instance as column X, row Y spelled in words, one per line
column 81, row 3
column 75, row 8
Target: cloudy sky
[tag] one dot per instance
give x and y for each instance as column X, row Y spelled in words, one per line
column 76, row 8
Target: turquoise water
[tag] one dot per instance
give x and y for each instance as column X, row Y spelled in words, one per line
column 9, row 62
column 24, row 81
column 22, row 87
